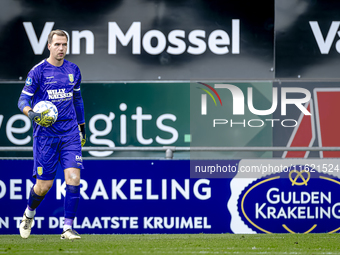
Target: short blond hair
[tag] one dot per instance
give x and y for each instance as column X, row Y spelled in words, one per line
column 56, row 32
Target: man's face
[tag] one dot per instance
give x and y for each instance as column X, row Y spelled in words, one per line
column 58, row 47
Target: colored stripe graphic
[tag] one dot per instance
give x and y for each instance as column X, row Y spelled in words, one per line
column 213, row 90
column 208, row 92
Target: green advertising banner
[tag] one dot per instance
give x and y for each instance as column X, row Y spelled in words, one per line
column 154, row 114
column 136, row 114
column 117, row 114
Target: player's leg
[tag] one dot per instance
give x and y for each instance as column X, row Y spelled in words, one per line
column 37, row 194
column 71, row 161
column 72, row 179
column 44, row 170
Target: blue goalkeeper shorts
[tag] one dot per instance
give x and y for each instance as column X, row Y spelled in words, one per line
column 49, row 151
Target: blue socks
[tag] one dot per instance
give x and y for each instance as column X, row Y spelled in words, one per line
column 71, row 201
column 34, row 200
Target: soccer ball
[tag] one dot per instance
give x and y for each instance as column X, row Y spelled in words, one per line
column 44, row 105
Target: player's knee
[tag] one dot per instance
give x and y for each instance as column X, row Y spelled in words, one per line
column 41, row 188
column 72, row 177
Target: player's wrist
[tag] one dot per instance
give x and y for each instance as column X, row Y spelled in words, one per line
column 82, row 129
column 31, row 114
column 82, row 134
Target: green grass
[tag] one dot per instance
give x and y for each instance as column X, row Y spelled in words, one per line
column 174, row 244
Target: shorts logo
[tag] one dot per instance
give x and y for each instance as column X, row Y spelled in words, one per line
column 70, row 77
column 40, row 170
column 28, row 81
column 79, row 158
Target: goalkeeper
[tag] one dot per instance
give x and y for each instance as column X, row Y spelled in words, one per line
column 57, row 80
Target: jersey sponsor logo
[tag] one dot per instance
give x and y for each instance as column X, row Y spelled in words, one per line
column 59, row 94
column 70, row 77
column 40, row 170
column 28, row 81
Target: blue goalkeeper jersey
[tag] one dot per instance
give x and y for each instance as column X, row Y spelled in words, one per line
column 46, row 82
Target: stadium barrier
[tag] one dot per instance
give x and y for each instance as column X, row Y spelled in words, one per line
column 169, row 150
